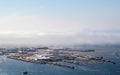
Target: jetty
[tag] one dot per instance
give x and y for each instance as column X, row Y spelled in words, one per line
column 42, row 62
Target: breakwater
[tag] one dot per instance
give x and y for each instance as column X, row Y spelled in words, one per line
column 42, row 62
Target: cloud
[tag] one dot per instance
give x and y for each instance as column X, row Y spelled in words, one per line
column 37, row 30
column 79, row 38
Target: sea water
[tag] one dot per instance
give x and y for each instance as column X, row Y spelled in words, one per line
column 16, row 67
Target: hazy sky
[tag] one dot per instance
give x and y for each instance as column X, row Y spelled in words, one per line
column 59, row 22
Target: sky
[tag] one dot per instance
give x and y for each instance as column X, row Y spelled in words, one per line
column 59, row 22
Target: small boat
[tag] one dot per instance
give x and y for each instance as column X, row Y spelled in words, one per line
column 25, row 73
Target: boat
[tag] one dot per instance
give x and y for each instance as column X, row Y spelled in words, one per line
column 25, row 73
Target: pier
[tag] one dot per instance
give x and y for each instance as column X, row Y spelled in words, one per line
column 42, row 62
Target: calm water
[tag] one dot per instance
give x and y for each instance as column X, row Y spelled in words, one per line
column 14, row 67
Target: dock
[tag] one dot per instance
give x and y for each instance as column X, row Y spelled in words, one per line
column 43, row 62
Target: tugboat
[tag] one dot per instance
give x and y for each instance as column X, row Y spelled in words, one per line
column 25, row 73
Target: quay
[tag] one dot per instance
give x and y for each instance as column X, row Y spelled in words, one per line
column 43, row 62
column 57, row 64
